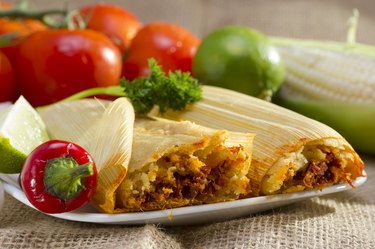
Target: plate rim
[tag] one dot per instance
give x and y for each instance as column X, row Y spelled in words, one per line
column 172, row 214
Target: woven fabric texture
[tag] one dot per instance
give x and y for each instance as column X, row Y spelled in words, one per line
column 342, row 220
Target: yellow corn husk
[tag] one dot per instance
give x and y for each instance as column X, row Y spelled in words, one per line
column 70, row 120
column 105, row 130
column 285, row 141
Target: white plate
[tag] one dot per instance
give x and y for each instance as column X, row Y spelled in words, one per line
column 184, row 215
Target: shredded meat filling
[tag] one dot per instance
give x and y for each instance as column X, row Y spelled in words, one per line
column 319, row 174
column 186, row 184
column 189, row 186
column 180, row 179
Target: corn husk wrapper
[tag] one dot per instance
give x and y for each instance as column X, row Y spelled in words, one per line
column 279, row 133
column 105, row 130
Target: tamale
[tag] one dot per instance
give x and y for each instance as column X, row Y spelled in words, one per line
column 172, row 164
column 175, row 164
column 291, row 152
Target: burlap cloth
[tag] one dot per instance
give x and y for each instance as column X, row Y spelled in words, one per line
column 342, row 220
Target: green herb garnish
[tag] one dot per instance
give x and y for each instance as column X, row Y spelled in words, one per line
column 173, row 91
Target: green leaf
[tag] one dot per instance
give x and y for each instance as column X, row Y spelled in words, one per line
column 174, row 91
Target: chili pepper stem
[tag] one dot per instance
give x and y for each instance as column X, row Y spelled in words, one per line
column 63, row 177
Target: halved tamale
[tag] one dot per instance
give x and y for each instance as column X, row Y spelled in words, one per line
column 175, row 164
column 163, row 164
column 291, row 152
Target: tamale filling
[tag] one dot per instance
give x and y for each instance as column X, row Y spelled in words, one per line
column 314, row 166
column 179, row 179
column 318, row 174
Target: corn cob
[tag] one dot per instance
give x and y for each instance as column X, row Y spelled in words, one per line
column 318, row 74
column 333, row 83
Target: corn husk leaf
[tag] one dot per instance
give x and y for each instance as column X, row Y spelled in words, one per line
column 105, row 130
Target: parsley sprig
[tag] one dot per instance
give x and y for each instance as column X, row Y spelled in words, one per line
column 174, row 90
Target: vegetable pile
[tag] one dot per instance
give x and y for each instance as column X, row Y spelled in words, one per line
column 93, row 46
column 97, row 45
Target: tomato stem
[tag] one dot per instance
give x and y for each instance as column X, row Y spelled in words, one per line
column 42, row 16
column 7, row 39
column 63, row 177
column 21, row 11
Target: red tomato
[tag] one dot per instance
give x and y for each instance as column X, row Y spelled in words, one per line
column 116, row 22
column 55, row 64
column 7, row 80
column 172, row 46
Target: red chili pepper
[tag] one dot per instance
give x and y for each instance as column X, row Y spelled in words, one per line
column 59, row 176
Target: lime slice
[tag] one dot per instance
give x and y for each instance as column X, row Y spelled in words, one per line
column 21, row 131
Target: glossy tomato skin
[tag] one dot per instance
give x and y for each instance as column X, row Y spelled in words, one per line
column 7, row 80
column 58, row 63
column 171, row 45
column 116, row 22
column 33, row 170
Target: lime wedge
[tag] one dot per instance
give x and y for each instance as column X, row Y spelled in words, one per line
column 21, row 131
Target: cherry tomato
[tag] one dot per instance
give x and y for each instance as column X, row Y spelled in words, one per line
column 172, row 46
column 21, row 27
column 58, row 176
column 7, row 80
column 55, row 64
column 116, row 22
